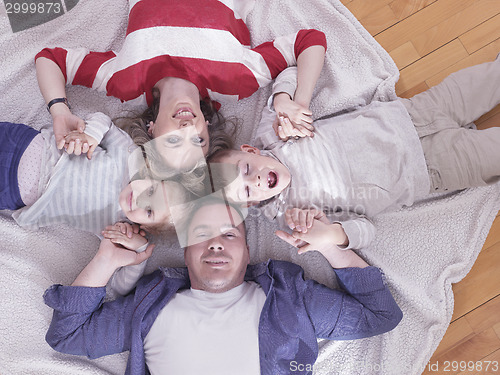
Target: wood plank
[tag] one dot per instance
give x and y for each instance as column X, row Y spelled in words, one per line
column 480, row 285
column 419, row 22
column 362, row 8
column 496, row 328
column 474, row 349
column 494, row 234
column 405, row 8
column 453, row 27
column 485, row 54
column 379, row 20
column 485, row 316
column 481, row 35
column 458, row 332
column 430, row 65
column 421, row 87
column 405, row 55
column 487, row 365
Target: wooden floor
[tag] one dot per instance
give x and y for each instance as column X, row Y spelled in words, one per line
column 428, row 40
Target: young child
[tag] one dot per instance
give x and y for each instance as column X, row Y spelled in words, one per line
column 47, row 186
column 382, row 156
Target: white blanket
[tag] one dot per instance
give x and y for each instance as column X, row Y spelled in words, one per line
column 422, row 250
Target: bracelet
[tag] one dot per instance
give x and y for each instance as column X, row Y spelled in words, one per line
column 58, row 100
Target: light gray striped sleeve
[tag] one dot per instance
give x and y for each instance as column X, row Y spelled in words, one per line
column 359, row 229
column 97, row 125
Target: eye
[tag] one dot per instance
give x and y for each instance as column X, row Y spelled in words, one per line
column 173, row 139
column 230, row 234
column 151, row 191
column 247, row 191
column 149, row 212
column 198, row 141
column 248, row 169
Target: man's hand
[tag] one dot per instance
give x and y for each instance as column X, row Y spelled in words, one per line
column 127, row 235
column 293, row 119
column 312, row 231
column 79, row 143
column 108, row 259
column 321, row 236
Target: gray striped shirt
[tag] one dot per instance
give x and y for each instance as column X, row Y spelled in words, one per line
column 79, row 192
column 358, row 164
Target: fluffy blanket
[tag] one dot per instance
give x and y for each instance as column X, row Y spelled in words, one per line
column 422, row 250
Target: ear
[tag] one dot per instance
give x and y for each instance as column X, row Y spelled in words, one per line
column 151, row 128
column 250, row 149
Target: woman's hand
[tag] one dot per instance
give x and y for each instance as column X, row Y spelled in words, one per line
column 64, row 122
column 293, row 119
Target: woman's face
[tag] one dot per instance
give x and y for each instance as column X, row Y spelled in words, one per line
column 180, row 129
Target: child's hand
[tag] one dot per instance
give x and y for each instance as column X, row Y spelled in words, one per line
column 128, row 235
column 79, row 143
column 64, row 122
column 293, row 120
column 312, row 231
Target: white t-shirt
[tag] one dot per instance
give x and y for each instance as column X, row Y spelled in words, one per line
column 199, row 332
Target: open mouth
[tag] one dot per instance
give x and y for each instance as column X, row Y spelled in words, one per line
column 272, row 179
column 184, row 113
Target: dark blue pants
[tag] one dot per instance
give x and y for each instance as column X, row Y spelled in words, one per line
column 14, row 139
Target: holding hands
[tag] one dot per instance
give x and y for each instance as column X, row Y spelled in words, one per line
column 311, row 230
column 293, row 119
column 79, row 143
column 129, row 236
column 117, row 249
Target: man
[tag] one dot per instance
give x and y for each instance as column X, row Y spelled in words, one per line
column 221, row 315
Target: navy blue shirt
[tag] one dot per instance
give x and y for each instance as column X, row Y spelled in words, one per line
column 296, row 313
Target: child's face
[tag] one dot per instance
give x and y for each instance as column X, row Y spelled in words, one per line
column 261, row 177
column 145, row 202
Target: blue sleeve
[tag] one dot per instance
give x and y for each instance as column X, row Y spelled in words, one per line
column 83, row 325
column 363, row 308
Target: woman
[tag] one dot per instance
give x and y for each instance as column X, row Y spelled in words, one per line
column 189, row 50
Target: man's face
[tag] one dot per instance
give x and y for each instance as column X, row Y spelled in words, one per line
column 216, row 255
column 260, row 177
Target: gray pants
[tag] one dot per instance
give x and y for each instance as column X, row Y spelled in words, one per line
column 458, row 157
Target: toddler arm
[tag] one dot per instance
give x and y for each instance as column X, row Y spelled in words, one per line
column 359, row 230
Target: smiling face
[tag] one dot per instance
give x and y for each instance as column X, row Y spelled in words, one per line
column 260, row 177
column 145, row 202
column 217, row 255
column 180, row 124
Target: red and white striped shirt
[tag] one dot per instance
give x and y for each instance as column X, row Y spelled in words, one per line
column 205, row 42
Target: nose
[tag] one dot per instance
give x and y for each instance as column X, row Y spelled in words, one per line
column 255, row 180
column 215, row 244
column 185, row 122
column 142, row 201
